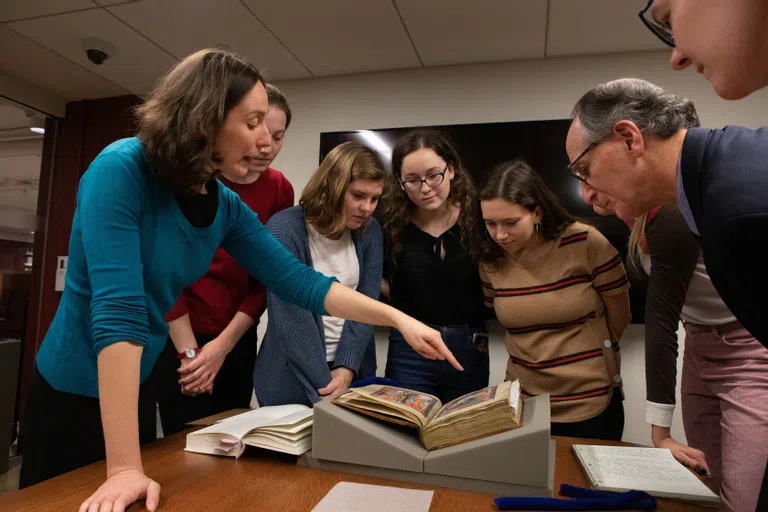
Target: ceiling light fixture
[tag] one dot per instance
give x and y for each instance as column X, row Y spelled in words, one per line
column 36, row 124
column 377, row 143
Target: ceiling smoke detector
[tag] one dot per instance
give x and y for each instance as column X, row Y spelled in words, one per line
column 97, row 50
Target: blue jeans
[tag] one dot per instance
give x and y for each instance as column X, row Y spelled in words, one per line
column 439, row 378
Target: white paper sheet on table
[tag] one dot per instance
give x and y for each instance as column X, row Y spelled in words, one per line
column 351, row 497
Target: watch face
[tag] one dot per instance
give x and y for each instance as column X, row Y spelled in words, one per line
column 190, row 352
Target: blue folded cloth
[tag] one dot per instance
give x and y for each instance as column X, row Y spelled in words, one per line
column 374, row 380
column 586, row 499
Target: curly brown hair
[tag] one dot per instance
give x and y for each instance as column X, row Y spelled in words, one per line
column 323, row 197
column 180, row 118
column 398, row 207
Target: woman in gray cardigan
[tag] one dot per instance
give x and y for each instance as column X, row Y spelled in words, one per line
column 305, row 357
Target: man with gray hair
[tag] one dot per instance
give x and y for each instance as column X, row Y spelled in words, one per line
column 631, row 141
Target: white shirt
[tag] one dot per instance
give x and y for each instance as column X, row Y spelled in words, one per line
column 703, row 304
column 334, row 258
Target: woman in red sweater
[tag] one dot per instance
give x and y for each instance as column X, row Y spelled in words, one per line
column 213, row 325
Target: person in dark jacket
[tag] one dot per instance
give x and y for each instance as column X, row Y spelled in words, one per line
column 629, row 140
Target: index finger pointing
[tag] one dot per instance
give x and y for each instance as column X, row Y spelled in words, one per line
column 448, row 355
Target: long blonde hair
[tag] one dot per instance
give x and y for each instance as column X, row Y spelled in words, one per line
column 323, row 197
column 638, row 244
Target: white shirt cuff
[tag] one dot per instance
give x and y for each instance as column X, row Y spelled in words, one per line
column 659, row 414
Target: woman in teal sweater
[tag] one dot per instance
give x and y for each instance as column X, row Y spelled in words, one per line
column 150, row 215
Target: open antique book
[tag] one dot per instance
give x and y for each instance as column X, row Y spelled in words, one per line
column 478, row 414
column 282, row 428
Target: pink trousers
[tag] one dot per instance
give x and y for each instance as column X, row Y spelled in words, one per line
column 725, row 408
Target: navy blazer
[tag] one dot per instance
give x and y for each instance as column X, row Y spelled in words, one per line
column 725, row 177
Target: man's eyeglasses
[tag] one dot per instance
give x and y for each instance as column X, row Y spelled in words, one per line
column 663, row 32
column 572, row 166
column 433, row 180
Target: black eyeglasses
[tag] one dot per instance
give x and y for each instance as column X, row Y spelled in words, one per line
column 433, row 180
column 663, row 32
column 574, row 172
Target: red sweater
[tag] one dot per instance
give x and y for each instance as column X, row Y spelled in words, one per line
column 227, row 288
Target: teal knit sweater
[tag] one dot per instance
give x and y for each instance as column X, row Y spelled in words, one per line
column 132, row 251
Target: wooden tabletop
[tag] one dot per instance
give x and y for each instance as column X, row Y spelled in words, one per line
column 259, row 481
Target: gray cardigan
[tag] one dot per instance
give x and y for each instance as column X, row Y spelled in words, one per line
column 291, row 364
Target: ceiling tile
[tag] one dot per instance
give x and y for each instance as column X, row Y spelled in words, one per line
column 20, row 9
column 136, row 64
column 334, row 37
column 499, row 29
column 36, row 64
column 598, row 26
column 114, row 2
column 208, row 23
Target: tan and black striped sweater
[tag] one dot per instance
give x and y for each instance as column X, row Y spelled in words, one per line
column 558, row 337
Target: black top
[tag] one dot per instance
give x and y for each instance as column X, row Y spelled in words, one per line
column 726, row 184
column 674, row 254
column 433, row 290
column 200, row 209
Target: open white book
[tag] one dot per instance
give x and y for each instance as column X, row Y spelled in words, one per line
column 653, row 470
column 281, row 428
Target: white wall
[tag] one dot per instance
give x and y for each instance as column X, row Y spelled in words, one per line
column 32, row 96
column 513, row 91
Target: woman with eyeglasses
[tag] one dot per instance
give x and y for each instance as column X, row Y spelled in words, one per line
column 431, row 267
column 560, row 290
column 724, row 41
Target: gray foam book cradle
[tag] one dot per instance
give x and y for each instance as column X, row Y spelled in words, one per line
column 519, row 462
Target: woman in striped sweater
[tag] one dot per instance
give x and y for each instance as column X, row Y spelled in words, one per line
column 560, row 290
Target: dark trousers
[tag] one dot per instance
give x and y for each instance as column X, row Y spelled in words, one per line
column 410, row 370
column 63, row 431
column 762, row 500
column 368, row 365
column 232, row 386
column 608, row 425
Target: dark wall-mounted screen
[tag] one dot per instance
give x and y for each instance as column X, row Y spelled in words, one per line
column 483, row 146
